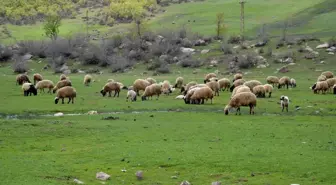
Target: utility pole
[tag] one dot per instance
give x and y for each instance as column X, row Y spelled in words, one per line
column 242, row 16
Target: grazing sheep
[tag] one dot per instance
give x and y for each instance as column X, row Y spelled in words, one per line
column 201, row 94
column 237, row 83
column 272, row 80
column 109, row 87
column 268, row 89
column 87, row 79
column 214, row 86
column 131, row 95
column 21, row 79
column 331, row 82
column 45, row 84
column 237, row 76
column 292, row 82
column 151, row 90
column 285, row 80
column 213, row 79
column 252, row 83
column 321, row 78
column 224, row 84
column 110, row 80
column 242, row 99
column 63, row 77
column 334, row 89
column 320, row 86
column 151, row 81
column 328, row 74
column 37, row 77
column 259, row 91
column 240, row 89
column 66, row 92
column 179, row 82
column 122, row 86
column 61, row 84
column 284, row 102
column 189, row 94
column 184, row 89
column 140, row 84
column 208, row 76
column 166, row 88
column 29, row 89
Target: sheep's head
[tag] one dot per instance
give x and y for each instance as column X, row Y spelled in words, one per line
column 313, row 87
column 124, row 87
column 103, row 92
column 226, row 110
column 54, row 90
column 33, row 90
column 205, row 81
column 56, row 100
column 182, row 89
column 231, row 88
column 279, row 86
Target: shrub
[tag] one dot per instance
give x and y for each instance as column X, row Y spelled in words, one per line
column 227, row 49
column 190, row 62
column 234, row 39
column 246, row 62
column 5, row 53
column 332, row 42
column 20, row 64
column 57, row 63
column 92, row 55
column 119, row 63
column 269, row 52
column 149, row 36
column 154, row 65
column 35, row 48
column 164, row 69
column 182, row 33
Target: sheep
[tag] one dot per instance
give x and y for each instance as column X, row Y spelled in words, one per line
column 151, row 81
column 130, row 88
column 87, row 79
column 110, row 80
column 292, row 82
column 237, row 76
column 122, row 86
column 321, row 78
column 320, row 86
column 284, row 102
column 224, row 84
column 284, row 81
column 131, row 95
column 166, row 88
column 61, row 84
column 272, row 80
column 201, row 94
column 334, row 89
column 109, row 87
column 151, row 90
column 242, row 99
column 21, row 79
column 37, row 77
column 45, row 84
column 268, row 89
column 208, row 76
column 184, row 89
column 178, row 82
column 252, row 83
column 140, row 84
column 331, row 82
column 189, row 94
column 63, row 77
column 259, row 91
column 66, row 92
column 29, row 89
column 240, row 89
column 213, row 79
column 328, row 74
column 214, row 86
column 237, row 83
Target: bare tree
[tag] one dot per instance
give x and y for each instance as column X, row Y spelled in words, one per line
column 220, row 26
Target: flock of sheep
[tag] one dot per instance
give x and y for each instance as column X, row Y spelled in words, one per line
column 244, row 92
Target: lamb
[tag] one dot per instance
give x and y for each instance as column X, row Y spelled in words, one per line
column 151, row 81
column 284, row 101
column 272, row 80
column 151, row 90
column 66, row 92
column 214, row 86
column 184, row 89
column 37, row 77
column 87, row 79
column 224, row 84
column 292, row 82
column 178, row 82
column 63, row 77
column 284, row 81
column 28, row 89
column 140, row 84
column 268, row 89
column 252, row 83
column 259, row 91
column 237, row 76
column 201, row 94
column 320, row 86
column 237, row 83
column 242, row 99
column 208, row 76
column 189, row 94
column 109, row 87
column 321, row 78
column 166, row 88
column 240, row 89
column 131, row 95
column 328, row 74
column 61, row 84
column 45, row 84
column 21, row 79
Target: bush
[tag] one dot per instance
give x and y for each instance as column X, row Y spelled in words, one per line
column 57, row 63
column 234, row 39
column 154, row 65
column 35, row 48
column 227, row 49
column 164, row 69
column 92, row 55
column 20, row 64
column 332, row 42
column 149, row 36
column 5, row 54
column 269, row 52
column 246, row 62
column 190, row 62
column 119, row 63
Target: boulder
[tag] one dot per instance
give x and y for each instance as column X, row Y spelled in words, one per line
column 261, row 66
column 283, row 69
column 102, row 176
column 187, row 50
column 205, row 51
column 78, row 181
column 200, row 42
column 216, row 183
column 214, row 62
column 185, row 183
column 325, row 45
column 139, row 175
column 331, row 53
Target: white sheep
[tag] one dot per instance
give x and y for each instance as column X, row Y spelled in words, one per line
column 284, row 102
column 131, row 95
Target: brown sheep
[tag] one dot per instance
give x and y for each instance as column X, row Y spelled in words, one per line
column 151, row 90
column 242, row 99
column 252, row 83
column 178, row 82
column 63, row 77
column 45, row 84
column 237, row 83
column 109, row 87
column 208, row 76
column 321, row 78
column 204, row 93
column 328, row 74
column 272, row 80
column 268, row 89
column 37, row 77
column 320, row 86
column 237, row 76
column 184, row 89
column 139, row 85
column 259, row 91
column 214, row 86
column 66, row 92
column 151, row 81
column 331, row 82
column 240, row 89
column 224, row 84
column 284, row 81
column 189, row 94
column 166, row 88
column 61, row 84
column 87, row 79
column 22, row 78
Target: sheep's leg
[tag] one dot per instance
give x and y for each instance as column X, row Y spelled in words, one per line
column 211, row 100
column 283, row 107
column 287, row 86
column 287, row 108
column 110, row 93
column 158, row 97
column 269, row 95
column 118, row 94
column 62, row 100
column 73, row 100
column 69, row 100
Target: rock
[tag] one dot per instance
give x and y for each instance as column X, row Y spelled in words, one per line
column 283, row 69
column 331, row 53
column 187, row 50
column 78, row 181
column 174, row 177
column 163, row 58
column 214, row 62
column 139, row 175
column 308, row 48
column 68, row 71
column 216, row 183
column 261, row 66
column 325, row 45
column 58, row 114
column 132, row 54
column 289, row 60
column 291, row 64
column 80, row 71
column 102, row 176
column 186, row 43
column 148, row 43
column 331, row 49
column 27, row 57
column 92, row 112
column 200, row 42
column 175, row 60
column 260, row 44
column 185, row 183
column 64, row 68
column 235, row 47
column 322, row 62
column 310, row 56
column 204, row 51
